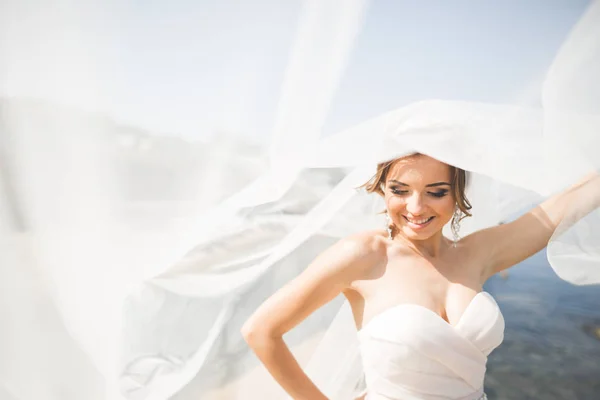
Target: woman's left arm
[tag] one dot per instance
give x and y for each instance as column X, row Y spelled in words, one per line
column 511, row 243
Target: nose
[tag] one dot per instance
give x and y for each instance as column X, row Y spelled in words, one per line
column 415, row 205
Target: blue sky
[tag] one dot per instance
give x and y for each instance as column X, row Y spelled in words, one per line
column 484, row 51
column 196, row 68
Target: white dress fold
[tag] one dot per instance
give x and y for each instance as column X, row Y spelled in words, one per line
column 410, row 352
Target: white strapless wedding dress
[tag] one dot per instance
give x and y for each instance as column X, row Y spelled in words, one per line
column 411, row 353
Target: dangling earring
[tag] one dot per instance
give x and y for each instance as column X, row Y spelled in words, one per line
column 455, row 226
column 390, row 225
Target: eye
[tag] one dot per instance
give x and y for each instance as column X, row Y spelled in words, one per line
column 396, row 191
column 441, row 193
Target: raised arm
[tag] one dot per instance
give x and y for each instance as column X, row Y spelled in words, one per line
column 511, row 243
column 327, row 276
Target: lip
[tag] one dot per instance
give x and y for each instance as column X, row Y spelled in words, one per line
column 417, row 226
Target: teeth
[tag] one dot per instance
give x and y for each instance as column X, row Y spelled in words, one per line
column 418, row 221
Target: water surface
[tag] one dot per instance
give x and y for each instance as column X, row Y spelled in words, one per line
column 551, row 347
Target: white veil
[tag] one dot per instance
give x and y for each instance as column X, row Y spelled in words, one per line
column 102, row 296
column 517, row 156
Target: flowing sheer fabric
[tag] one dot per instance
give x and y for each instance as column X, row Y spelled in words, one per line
column 517, row 156
column 134, row 313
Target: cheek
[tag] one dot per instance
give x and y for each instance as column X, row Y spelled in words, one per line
column 445, row 206
column 394, row 203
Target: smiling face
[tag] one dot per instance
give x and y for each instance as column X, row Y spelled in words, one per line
column 418, row 196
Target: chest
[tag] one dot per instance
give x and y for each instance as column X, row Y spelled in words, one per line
column 445, row 287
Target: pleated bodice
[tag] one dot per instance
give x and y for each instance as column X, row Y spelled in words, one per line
column 411, row 353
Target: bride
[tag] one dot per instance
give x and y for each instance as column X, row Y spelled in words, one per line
column 425, row 325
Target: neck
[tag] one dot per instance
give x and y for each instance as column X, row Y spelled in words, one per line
column 431, row 247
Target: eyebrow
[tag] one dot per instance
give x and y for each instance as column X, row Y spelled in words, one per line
column 430, row 185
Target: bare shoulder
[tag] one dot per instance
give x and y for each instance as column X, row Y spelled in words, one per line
column 500, row 247
column 475, row 251
column 359, row 252
column 367, row 242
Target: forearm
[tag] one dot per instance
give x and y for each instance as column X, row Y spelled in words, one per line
column 281, row 364
column 574, row 203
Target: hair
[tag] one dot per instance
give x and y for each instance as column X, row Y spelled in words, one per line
column 458, row 176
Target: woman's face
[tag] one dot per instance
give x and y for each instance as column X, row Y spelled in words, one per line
column 418, row 196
